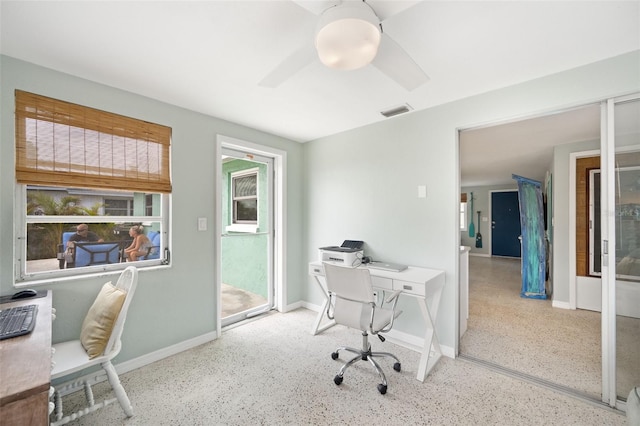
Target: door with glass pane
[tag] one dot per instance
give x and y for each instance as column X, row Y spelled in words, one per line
column 246, row 243
column 621, row 248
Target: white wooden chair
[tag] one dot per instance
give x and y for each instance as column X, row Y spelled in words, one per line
column 76, row 355
column 353, row 304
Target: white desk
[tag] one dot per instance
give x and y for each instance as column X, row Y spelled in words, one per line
column 423, row 285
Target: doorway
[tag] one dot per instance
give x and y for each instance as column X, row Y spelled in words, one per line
column 505, row 224
column 614, row 334
column 249, row 215
column 247, row 244
column 533, row 339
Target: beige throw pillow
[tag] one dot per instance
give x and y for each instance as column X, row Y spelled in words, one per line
column 97, row 325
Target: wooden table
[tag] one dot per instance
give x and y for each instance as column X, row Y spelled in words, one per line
column 25, row 369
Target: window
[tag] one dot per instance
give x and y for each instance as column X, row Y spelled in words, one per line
column 118, row 207
column 627, row 221
column 72, row 163
column 148, row 205
column 245, row 197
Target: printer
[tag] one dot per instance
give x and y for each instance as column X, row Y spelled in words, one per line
column 349, row 253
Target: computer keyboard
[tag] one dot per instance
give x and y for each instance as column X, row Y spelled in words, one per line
column 17, row 321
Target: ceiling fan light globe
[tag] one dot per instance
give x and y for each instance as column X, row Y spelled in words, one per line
column 348, row 36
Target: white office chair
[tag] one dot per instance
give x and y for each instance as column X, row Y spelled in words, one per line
column 353, row 304
column 99, row 343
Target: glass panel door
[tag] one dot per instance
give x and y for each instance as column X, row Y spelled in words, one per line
column 246, row 243
column 626, row 129
column 620, row 248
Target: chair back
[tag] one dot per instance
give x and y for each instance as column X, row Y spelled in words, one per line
column 154, row 251
column 94, row 253
column 65, row 238
column 353, row 295
column 127, row 282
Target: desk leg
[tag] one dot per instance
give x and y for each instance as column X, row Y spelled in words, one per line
column 317, row 327
column 431, row 351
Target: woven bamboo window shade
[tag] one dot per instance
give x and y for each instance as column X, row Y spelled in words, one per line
column 463, row 197
column 64, row 144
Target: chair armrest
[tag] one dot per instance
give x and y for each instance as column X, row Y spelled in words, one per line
column 392, row 298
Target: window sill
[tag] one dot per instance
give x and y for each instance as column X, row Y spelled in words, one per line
column 40, row 280
column 242, row 228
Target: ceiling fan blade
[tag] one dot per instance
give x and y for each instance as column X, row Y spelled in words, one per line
column 317, row 6
column 393, row 61
column 386, row 9
column 290, row 66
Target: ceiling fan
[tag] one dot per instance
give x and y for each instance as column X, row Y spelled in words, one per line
column 349, row 35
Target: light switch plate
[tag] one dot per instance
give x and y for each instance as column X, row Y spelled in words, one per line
column 202, row 224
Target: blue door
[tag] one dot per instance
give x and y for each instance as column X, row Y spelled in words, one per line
column 505, row 224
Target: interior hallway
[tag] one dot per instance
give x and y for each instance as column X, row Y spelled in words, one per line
column 530, row 336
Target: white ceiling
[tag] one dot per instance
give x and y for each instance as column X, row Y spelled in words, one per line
column 209, row 56
column 489, row 156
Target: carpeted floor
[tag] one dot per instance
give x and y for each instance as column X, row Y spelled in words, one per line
column 272, row 371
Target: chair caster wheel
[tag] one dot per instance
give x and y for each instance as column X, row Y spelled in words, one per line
column 382, row 388
column 334, row 355
column 396, row 366
column 337, row 380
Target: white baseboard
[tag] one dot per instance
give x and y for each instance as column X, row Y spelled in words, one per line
column 292, row 307
column 479, row 254
column 561, row 305
column 310, row 306
column 141, row 361
column 414, row 343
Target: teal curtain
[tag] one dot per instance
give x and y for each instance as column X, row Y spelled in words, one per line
column 534, row 256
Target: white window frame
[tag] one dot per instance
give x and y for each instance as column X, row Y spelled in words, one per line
column 249, row 227
column 22, row 276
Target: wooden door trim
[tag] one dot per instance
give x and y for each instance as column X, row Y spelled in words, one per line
column 583, row 166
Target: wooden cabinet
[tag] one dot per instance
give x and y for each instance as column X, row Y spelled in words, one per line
column 25, row 370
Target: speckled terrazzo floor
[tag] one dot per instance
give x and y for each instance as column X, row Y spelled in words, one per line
column 272, row 371
column 530, row 336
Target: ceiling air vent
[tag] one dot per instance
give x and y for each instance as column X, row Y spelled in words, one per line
column 397, row 110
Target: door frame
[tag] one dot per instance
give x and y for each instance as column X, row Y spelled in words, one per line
column 586, row 283
column 255, row 160
column 279, row 218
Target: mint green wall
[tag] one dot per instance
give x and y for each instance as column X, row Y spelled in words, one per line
column 245, row 255
column 138, row 203
column 372, row 174
column 188, row 286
